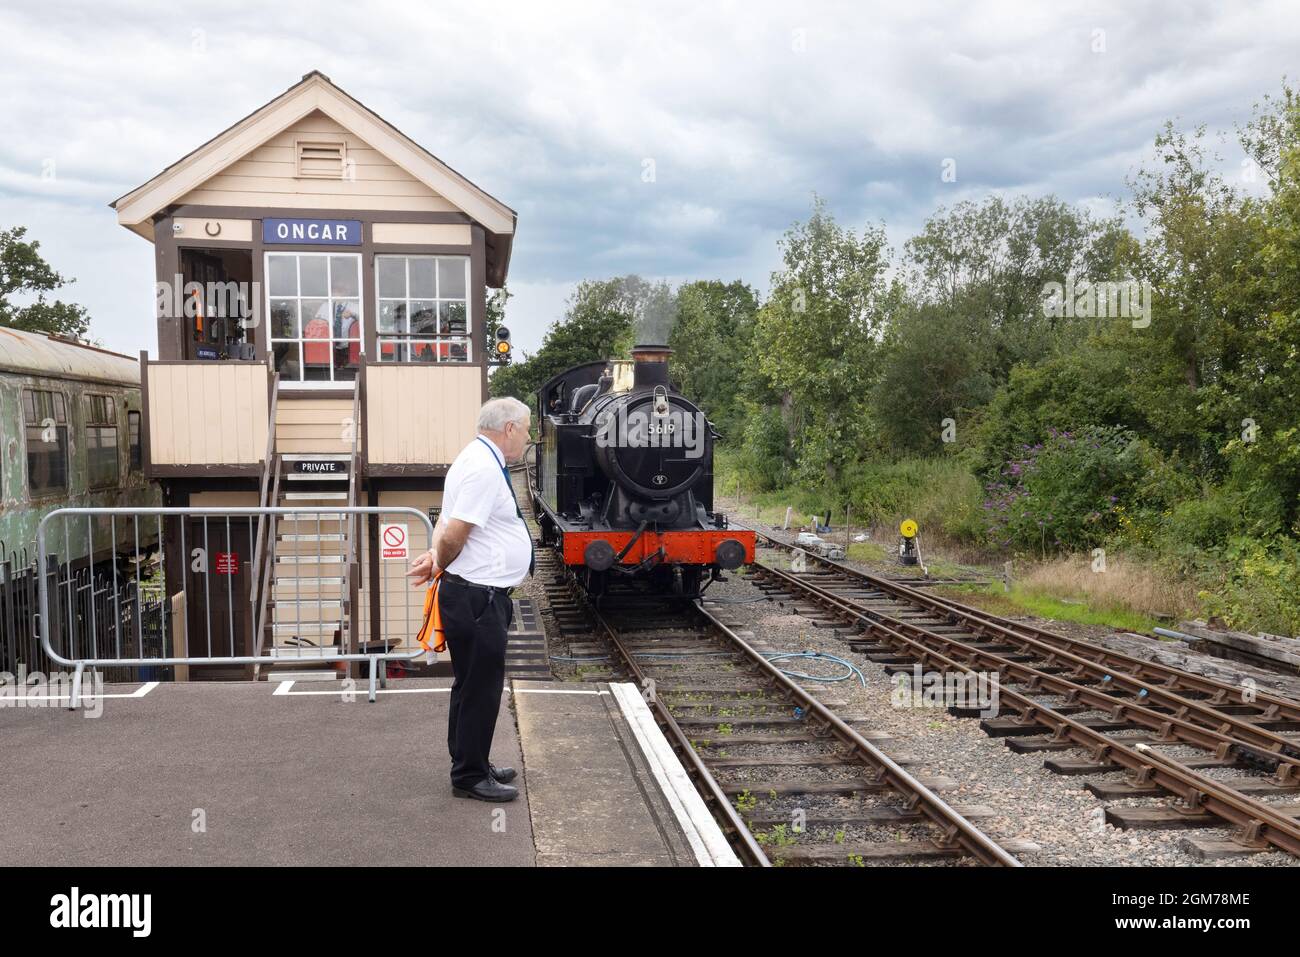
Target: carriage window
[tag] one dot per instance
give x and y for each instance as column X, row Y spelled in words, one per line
column 45, row 418
column 423, row 308
column 101, row 441
column 315, row 310
column 134, row 458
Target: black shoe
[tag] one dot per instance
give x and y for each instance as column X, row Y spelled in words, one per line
column 488, row 790
column 502, row 775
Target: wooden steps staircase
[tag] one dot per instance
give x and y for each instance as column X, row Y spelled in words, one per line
column 308, row 564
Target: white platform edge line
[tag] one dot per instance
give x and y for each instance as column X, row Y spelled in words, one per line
column 705, row 837
column 662, row 775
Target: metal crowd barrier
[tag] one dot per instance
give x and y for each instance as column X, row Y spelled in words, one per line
column 129, row 625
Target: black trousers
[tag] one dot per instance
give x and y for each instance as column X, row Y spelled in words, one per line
column 475, row 622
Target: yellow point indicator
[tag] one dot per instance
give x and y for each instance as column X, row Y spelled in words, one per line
column 908, row 528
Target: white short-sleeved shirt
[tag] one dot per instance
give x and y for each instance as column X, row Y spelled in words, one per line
column 499, row 546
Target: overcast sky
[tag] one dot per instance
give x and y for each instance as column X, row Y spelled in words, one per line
column 744, row 109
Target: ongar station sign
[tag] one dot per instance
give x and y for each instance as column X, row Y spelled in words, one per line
column 314, row 232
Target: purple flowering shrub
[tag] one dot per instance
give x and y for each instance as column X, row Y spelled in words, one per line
column 1066, row 493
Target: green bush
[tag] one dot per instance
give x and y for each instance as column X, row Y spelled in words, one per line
column 763, row 459
column 1077, row 490
column 1258, row 588
column 939, row 492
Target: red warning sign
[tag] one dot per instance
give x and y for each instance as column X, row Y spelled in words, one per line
column 227, row 563
column 392, row 538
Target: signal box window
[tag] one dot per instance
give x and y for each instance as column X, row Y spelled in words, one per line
column 315, row 310
column 45, row 418
column 423, row 308
column 102, row 470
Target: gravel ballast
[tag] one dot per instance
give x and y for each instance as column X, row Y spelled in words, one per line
column 1029, row 802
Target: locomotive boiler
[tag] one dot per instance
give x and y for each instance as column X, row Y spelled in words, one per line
column 623, row 481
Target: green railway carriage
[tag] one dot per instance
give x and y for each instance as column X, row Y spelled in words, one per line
column 70, row 435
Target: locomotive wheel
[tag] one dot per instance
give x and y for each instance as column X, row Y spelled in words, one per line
column 594, row 582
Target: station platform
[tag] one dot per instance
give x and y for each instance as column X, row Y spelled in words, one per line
column 604, row 786
column 311, row 773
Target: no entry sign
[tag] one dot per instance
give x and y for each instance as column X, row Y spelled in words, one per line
column 392, row 539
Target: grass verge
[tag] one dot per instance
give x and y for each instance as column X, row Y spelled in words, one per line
column 1024, row 600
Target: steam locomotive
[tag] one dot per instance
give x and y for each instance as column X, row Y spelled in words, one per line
column 623, row 483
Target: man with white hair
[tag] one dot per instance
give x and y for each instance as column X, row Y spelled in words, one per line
column 484, row 549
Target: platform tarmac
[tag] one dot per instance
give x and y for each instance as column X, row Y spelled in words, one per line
column 311, row 773
column 604, row 787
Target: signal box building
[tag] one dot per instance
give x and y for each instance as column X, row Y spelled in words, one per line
column 321, row 299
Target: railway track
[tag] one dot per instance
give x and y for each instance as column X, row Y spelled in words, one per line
column 789, row 781
column 1223, row 752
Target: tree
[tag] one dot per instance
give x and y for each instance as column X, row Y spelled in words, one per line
column 24, row 272
column 936, row 365
column 711, row 340
column 598, row 323
column 816, row 339
column 992, row 261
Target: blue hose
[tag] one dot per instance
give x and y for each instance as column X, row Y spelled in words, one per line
column 850, row 669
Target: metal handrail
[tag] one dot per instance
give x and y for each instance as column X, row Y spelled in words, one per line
column 264, row 572
column 269, row 464
column 263, row 551
column 354, row 465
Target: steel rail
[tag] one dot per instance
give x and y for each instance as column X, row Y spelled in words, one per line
column 1035, row 679
column 712, row 793
column 1270, row 706
column 1259, row 822
column 1265, row 746
column 956, row 828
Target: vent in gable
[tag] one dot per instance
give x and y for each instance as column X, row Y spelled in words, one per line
column 321, row 159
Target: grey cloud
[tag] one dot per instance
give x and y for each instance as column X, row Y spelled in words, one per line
column 554, row 108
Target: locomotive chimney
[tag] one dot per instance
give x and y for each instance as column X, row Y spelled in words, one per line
column 651, row 365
